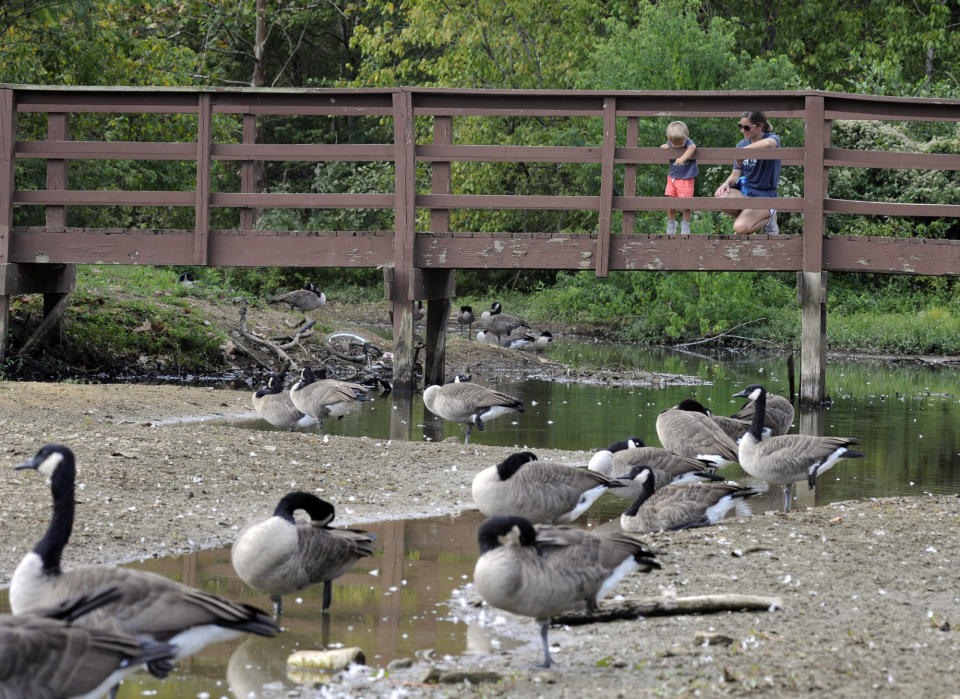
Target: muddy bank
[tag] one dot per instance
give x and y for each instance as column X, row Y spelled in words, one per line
column 868, row 588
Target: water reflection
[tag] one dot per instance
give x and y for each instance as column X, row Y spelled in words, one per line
column 905, row 415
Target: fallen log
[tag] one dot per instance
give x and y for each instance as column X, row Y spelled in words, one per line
column 667, row 606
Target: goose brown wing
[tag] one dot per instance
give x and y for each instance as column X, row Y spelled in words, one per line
column 328, row 553
column 152, row 604
column 42, row 657
column 797, row 452
column 657, row 458
column 690, row 433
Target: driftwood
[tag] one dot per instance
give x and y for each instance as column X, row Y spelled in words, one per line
column 272, row 347
column 667, row 606
column 45, row 325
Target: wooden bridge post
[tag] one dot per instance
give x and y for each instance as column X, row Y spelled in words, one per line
column 201, row 250
column 605, row 216
column 438, row 282
column 630, row 174
column 812, row 281
column 404, row 236
column 8, row 141
column 58, row 129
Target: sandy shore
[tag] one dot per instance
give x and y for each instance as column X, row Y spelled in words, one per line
column 868, row 589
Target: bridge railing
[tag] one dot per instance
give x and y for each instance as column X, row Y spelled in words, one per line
column 420, row 260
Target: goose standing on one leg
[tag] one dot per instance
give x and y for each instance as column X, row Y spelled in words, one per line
column 469, row 404
column 42, row 654
column 542, row 572
column 679, row 506
column 465, row 317
column 309, row 298
column 788, row 458
column 543, row 493
column 691, row 433
column 149, row 606
column 274, row 405
column 322, row 398
column 278, row 556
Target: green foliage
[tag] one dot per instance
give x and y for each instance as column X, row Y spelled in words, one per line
column 934, row 330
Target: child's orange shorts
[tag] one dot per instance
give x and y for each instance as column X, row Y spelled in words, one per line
column 679, row 188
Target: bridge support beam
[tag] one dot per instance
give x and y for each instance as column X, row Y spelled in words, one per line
column 812, row 290
column 55, row 282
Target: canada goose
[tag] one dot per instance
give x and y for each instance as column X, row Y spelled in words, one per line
column 149, row 606
column 633, row 486
column 546, row 571
column 788, row 458
column 521, row 485
column 528, row 340
column 779, row 415
column 465, row 317
column 322, row 398
column 679, row 506
column 621, row 456
column 309, row 298
column 500, row 324
column 733, row 427
column 469, row 404
column 418, row 313
column 487, row 338
column 43, row 655
column 274, row 405
column 691, row 433
column 277, row 556
column 186, row 279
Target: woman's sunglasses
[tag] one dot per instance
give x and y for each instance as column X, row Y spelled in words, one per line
column 745, row 127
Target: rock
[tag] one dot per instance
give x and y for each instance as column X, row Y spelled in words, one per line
column 707, row 638
column 400, row 664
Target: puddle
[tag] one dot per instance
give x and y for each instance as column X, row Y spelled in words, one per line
column 395, row 604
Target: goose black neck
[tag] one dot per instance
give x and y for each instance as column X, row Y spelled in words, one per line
column 50, row 547
column 513, row 463
column 320, row 511
column 646, row 490
column 490, row 534
column 759, row 414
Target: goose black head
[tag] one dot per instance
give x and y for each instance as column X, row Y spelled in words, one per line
column 52, row 460
column 692, row 406
column 462, row 378
column 466, row 309
column 496, row 307
column 321, row 512
column 624, row 444
column 639, row 473
column 502, row 530
column 274, row 386
column 752, row 392
column 514, row 463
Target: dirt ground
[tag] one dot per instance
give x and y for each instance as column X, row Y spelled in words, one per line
column 868, row 590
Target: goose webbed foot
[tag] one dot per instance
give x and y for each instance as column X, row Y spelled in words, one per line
column 159, row 668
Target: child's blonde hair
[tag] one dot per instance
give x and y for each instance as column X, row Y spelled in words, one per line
column 676, row 131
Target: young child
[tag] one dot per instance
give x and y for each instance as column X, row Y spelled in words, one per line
column 683, row 170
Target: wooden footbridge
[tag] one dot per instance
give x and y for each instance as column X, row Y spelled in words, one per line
column 41, row 237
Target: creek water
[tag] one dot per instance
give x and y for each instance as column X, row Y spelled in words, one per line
column 393, row 604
